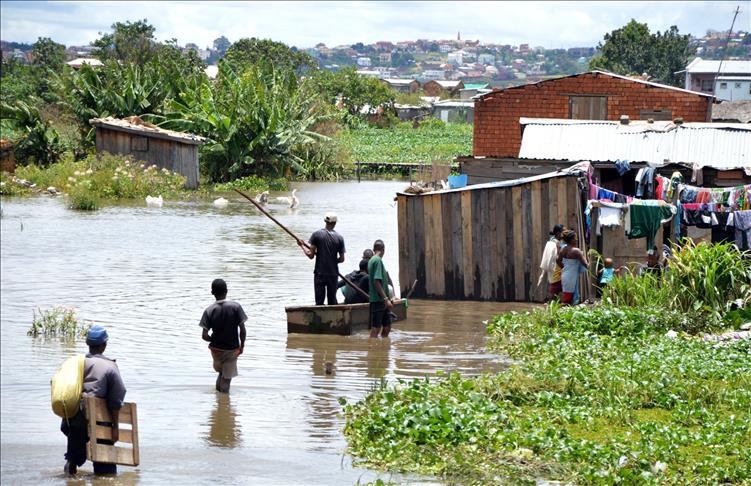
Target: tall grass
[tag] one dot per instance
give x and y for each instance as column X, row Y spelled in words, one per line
column 105, row 176
column 703, row 280
column 59, row 321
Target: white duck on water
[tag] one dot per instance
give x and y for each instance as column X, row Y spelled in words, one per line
column 262, row 198
column 221, row 202
column 292, row 202
column 154, row 202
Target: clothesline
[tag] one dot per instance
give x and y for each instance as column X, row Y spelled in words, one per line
column 738, row 197
column 641, row 218
column 695, row 206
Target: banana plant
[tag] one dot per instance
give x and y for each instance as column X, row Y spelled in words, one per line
column 254, row 120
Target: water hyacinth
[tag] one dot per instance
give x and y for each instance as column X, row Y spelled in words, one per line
column 594, row 405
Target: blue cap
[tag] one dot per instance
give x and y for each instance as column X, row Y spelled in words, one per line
column 96, row 336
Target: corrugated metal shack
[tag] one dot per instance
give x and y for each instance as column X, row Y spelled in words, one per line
column 722, row 150
column 175, row 151
column 719, row 146
column 484, row 242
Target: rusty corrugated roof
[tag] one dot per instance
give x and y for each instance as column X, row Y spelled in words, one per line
column 137, row 126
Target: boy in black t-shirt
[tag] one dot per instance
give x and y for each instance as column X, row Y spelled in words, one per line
column 223, row 318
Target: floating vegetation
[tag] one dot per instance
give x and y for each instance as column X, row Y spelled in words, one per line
column 588, row 403
column 59, row 321
column 432, row 141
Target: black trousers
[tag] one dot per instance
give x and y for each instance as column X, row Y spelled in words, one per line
column 75, row 429
column 325, row 287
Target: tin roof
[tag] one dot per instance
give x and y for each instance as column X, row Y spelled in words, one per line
column 604, row 73
column 454, row 104
column 80, row 61
column 400, row 81
column 569, row 172
column 137, row 126
column 699, row 65
column 446, row 84
column 717, row 145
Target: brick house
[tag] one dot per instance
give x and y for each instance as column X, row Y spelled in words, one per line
column 594, row 95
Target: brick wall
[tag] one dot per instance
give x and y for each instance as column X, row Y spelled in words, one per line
column 497, row 132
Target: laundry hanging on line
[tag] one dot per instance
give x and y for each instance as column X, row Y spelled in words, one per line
column 646, row 217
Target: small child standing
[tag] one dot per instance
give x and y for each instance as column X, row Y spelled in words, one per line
column 607, row 274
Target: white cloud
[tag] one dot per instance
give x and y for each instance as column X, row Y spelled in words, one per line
column 550, row 24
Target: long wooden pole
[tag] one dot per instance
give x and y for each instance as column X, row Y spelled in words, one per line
column 260, row 208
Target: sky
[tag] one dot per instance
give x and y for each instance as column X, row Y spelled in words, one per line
column 303, row 24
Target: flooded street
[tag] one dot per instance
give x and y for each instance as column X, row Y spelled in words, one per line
column 145, row 274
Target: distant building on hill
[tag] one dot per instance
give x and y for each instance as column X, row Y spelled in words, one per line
column 730, row 80
column 436, row 87
column 78, row 62
column 402, row 85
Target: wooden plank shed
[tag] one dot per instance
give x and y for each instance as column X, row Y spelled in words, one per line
column 175, row 151
column 484, row 242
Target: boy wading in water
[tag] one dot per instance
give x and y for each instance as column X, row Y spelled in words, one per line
column 380, row 301
column 224, row 318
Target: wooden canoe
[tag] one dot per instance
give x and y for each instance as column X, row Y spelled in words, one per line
column 340, row 319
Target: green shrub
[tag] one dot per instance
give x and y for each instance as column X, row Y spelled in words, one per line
column 97, row 178
column 702, row 280
column 432, row 123
column 82, row 197
column 39, row 143
column 253, row 183
column 325, row 161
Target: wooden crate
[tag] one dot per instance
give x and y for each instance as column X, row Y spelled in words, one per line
column 96, row 413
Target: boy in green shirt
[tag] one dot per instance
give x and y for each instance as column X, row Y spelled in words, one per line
column 380, row 302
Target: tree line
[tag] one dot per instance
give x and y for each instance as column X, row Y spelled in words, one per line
column 270, row 111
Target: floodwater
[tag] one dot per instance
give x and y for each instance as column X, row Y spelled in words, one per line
column 145, row 274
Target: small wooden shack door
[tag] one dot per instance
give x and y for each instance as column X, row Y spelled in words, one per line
column 96, row 414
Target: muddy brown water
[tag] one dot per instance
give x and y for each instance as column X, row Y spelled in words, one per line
column 145, row 274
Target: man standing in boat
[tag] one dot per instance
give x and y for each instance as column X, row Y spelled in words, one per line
column 224, row 318
column 327, row 247
column 380, row 301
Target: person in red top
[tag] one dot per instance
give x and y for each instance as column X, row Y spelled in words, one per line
column 223, row 319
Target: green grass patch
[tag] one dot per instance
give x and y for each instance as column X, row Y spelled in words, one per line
column 252, row 184
column 432, row 141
